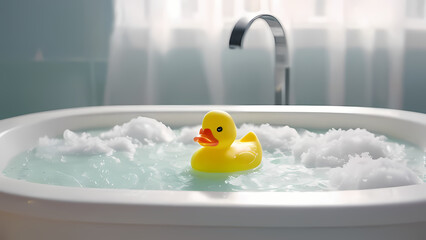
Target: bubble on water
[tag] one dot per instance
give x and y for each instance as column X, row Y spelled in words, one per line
column 364, row 172
column 333, row 148
column 144, row 129
column 83, row 144
column 271, row 137
column 186, row 134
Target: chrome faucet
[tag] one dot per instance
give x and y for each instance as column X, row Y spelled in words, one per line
column 281, row 69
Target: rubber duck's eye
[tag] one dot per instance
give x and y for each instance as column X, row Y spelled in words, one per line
column 219, row 129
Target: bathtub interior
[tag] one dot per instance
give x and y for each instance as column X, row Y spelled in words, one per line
column 20, row 133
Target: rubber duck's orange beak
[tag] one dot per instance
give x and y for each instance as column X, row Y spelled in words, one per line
column 206, row 138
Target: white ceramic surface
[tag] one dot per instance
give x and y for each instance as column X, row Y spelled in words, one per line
column 37, row 211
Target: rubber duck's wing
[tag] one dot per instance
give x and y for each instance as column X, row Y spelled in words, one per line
column 250, row 137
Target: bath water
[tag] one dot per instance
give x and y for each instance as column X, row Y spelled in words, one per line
column 146, row 154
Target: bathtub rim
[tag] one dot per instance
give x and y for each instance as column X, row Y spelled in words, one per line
column 397, row 205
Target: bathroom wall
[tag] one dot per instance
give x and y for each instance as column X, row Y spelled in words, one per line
column 53, row 54
column 61, row 54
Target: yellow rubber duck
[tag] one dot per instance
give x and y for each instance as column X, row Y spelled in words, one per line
column 220, row 151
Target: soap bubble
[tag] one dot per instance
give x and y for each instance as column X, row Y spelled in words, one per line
column 364, row 172
column 333, row 148
column 145, row 130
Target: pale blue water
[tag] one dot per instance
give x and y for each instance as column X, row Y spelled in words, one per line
column 166, row 166
column 161, row 167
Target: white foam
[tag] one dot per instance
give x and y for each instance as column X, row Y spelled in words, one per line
column 123, row 138
column 145, row 130
column 122, row 144
column 84, row 144
column 272, row 137
column 364, row 172
column 187, row 134
column 334, row 148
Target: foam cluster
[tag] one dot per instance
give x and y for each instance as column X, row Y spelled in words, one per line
column 84, row 144
column 124, row 138
column 364, row 172
column 145, row 130
column 272, row 137
column 334, row 148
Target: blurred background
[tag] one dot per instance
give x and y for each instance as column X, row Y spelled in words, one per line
column 61, row 54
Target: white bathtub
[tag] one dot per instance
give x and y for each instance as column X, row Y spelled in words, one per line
column 37, row 211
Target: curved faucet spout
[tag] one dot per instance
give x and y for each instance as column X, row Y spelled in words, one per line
column 281, row 69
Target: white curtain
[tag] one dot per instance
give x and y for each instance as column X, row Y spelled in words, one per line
column 341, row 52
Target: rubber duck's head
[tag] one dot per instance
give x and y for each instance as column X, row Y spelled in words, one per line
column 218, row 130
